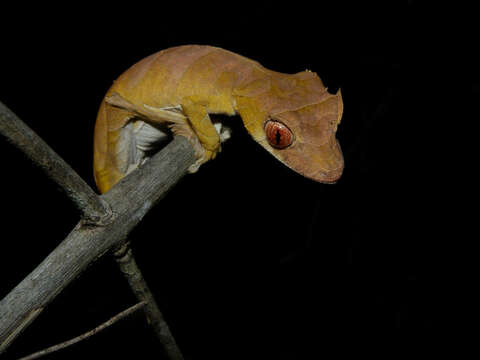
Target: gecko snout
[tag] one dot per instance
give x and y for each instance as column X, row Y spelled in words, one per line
column 326, row 163
column 335, row 164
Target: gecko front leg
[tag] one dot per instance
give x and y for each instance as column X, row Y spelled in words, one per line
column 206, row 132
column 199, row 130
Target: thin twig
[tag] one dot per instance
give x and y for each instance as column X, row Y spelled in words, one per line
column 86, row 335
column 26, row 140
column 155, row 319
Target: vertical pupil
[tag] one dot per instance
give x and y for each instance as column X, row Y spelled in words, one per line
column 278, row 136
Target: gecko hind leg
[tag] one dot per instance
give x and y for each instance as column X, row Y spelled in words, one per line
column 172, row 114
column 189, row 120
column 172, row 117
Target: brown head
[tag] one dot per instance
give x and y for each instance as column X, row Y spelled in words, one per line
column 295, row 119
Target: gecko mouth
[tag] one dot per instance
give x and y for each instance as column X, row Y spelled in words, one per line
column 330, row 177
column 323, row 176
column 323, row 164
column 331, row 168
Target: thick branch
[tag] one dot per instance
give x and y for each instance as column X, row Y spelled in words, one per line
column 154, row 316
column 129, row 200
column 25, row 139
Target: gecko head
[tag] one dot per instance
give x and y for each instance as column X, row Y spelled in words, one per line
column 295, row 118
column 304, row 139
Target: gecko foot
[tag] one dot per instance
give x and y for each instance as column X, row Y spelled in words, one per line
column 200, row 153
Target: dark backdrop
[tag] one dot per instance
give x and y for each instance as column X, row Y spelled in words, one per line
column 294, row 269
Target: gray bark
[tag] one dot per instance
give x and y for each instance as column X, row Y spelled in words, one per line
column 155, row 318
column 129, row 201
column 21, row 136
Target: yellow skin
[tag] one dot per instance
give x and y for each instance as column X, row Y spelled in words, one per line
column 179, row 87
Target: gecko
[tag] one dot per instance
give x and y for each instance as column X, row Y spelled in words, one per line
column 292, row 116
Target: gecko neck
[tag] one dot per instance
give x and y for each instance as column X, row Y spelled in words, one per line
column 253, row 80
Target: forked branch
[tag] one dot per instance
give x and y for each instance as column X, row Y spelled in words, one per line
column 110, row 218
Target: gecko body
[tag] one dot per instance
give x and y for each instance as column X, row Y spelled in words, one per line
column 291, row 115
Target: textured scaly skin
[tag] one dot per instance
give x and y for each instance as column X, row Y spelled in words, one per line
column 207, row 80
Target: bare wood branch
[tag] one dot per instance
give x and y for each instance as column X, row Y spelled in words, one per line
column 129, row 200
column 86, row 335
column 155, row 318
column 20, row 135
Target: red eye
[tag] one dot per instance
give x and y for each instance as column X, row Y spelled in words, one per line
column 278, row 135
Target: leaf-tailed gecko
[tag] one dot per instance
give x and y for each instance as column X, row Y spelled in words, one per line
column 292, row 116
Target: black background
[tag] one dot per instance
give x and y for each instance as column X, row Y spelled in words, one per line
column 248, row 259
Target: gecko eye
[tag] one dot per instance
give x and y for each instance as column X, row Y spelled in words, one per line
column 278, row 135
